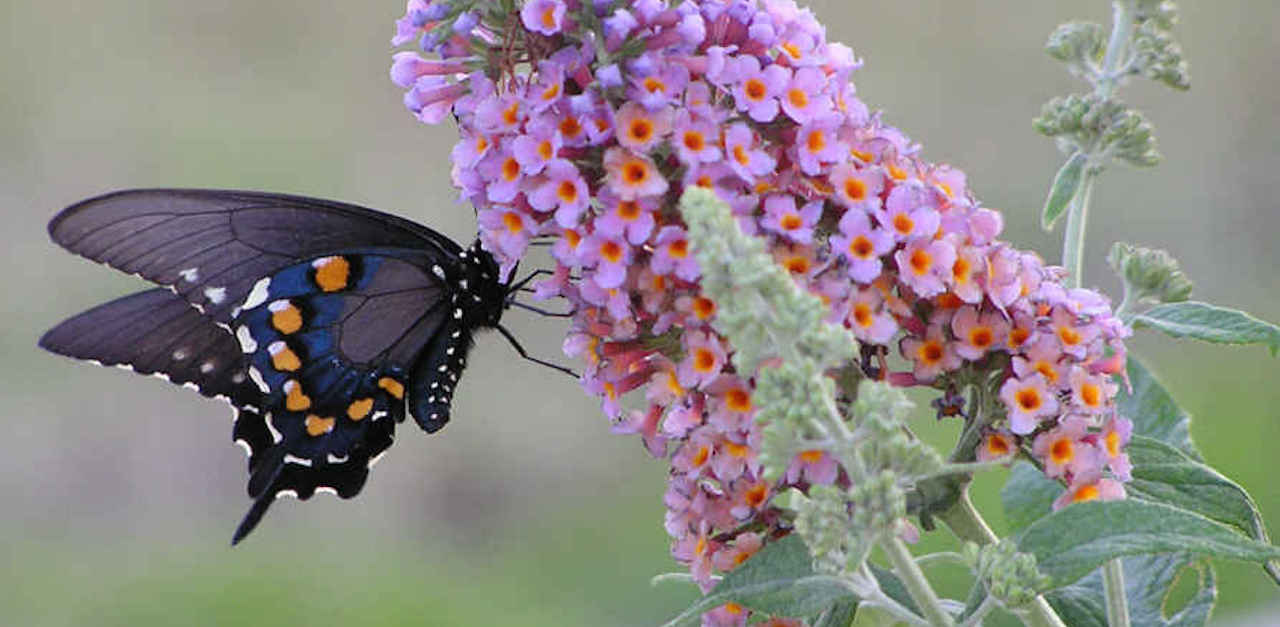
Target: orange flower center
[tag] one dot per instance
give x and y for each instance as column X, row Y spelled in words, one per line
column 903, row 223
column 861, row 247
column 545, row 150
column 1047, row 370
column 635, row 172
column 1028, row 399
column 862, row 155
column 798, row 264
column 640, row 130
column 701, row 456
column 678, row 249
column 920, row 261
column 816, row 141
column 481, row 144
column 693, row 140
column 798, row 98
column 704, row 360
column 755, row 89
column 549, row 17
column 862, row 315
column 740, row 155
column 811, row 456
column 931, row 352
column 628, row 210
column 961, row 269
column 855, row 189
column 1062, row 451
column 791, row 49
column 756, row 495
column 653, row 84
column 551, row 92
column 1091, row 394
column 572, row 237
column 737, row 399
column 611, row 251
column 510, row 169
column 791, row 222
column 567, row 191
column 513, row 222
column 569, row 127
column 981, row 337
column 511, row 114
column 1086, row 493
column 1068, row 335
column 704, row 307
column 997, row 445
column 1112, row 443
column 1017, row 336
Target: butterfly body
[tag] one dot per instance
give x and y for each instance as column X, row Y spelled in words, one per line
column 320, row 322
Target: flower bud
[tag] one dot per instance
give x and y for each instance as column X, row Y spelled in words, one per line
column 1150, row 274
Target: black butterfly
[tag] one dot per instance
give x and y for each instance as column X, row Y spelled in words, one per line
column 317, row 320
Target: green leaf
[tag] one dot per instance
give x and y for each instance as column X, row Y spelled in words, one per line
column 1148, row 580
column 1152, row 410
column 839, row 615
column 1210, row 323
column 1027, row 496
column 1075, row 540
column 1065, row 187
column 1163, row 474
column 778, row 580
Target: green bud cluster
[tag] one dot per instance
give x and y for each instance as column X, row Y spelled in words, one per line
column 823, row 520
column 1080, row 45
column 1100, row 126
column 1009, row 576
column 880, row 416
column 1149, row 274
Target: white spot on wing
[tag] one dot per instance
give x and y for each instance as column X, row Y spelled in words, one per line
column 180, row 354
column 215, row 294
column 278, row 305
column 191, row 386
column 291, row 459
column 438, row 271
column 275, row 434
column 375, row 459
column 258, row 380
column 334, row 459
column 190, row 275
column 248, row 450
column 206, row 367
column 324, row 489
column 257, row 295
column 245, row 337
column 237, row 378
column 289, row 493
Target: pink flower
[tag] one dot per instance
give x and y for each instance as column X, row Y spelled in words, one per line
column 543, row 16
column 1028, row 401
column 754, row 90
column 812, row 466
column 932, row 355
column 695, row 140
column 610, row 256
column 857, row 188
column 977, row 333
column 868, row 319
column 1090, row 488
column 997, row 444
column 861, row 245
column 640, row 129
column 632, row 176
column 1063, row 450
column 817, row 143
column 924, row 265
column 563, row 190
column 535, row 150
column 803, row 98
column 782, row 217
column 1090, row 394
column 630, row 218
column 908, row 215
column 704, row 359
column 747, row 161
column 671, row 254
column 1112, row 441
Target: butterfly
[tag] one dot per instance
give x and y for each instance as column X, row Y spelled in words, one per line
column 321, row 322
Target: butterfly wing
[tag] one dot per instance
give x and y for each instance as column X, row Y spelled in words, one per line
column 212, row 246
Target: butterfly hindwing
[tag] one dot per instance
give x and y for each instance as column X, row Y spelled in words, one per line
column 157, row 332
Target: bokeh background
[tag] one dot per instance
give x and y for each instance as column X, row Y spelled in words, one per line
column 118, row 494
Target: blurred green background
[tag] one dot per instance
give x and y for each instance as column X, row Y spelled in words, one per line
column 119, row 493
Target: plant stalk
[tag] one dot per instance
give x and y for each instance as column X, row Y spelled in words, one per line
column 1117, row 603
column 917, row 585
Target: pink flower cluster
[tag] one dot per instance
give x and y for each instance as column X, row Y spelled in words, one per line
column 580, row 126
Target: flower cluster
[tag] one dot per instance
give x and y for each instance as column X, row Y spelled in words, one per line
column 581, row 122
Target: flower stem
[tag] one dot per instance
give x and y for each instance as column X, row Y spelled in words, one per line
column 1117, row 604
column 917, row 586
column 967, row 523
column 1073, row 240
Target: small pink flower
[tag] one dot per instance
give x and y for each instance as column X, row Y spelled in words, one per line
column 932, row 355
column 704, row 360
column 630, row 218
column 563, row 190
column 543, row 16
column 756, row 91
column 977, row 333
column 1113, row 440
column 803, row 98
column 782, row 217
column 535, row 151
column 610, row 256
column 1090, row 488
column 695, row 140
column 862, row 245
column 671, row 254
column 1028, row 400
column 1090, row 394
column 924, row 264
column 997, row 444
column 868, row 318
column 857, row 188
column 907, row 214
column 747, row 161
column 812, row 466
column 640, row 129
column 817, row 143
column 1073, row 336
column 1042, row 356
column 632, row 176
column 1063, row 450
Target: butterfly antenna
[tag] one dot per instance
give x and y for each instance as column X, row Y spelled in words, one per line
column 541, row 312
column 513, row 287
column 525, row 354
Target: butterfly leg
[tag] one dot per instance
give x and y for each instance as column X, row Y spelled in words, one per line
column 542, row 312
column 525, row 354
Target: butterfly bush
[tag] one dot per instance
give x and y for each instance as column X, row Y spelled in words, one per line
column 580, row 125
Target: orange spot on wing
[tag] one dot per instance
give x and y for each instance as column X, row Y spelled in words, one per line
column 283, row 358
column 358, row 410
column 393, row 387
column 318, row 426
column 285, row 317
column 294, row 399
column 332, row 273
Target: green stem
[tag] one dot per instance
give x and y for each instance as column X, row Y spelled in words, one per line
column 917, row 586
column 1117, row 603
column 964, row 520
column 1073, row 240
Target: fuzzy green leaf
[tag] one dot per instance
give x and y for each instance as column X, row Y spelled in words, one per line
column 1164, row 474
column 1153, row 412
column 1073, row 541
column 1027, row 496
column 778, row 580
column 1210, row 323
column 1065, row 187
column 1148, row 582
